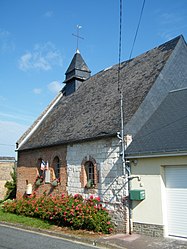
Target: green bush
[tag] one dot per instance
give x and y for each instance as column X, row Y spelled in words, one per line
column 70, row 211
column 11, row 186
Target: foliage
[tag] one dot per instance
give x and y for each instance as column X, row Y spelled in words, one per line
column 11, row 186
column 70, row 211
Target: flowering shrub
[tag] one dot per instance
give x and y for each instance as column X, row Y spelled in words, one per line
column 71, row 211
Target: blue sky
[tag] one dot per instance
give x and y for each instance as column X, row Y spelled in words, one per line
column 36, row 47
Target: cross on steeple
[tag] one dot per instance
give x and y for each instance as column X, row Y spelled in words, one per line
column 78, row 37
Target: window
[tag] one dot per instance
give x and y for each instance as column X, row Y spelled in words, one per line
column 89, row 168
column 89, row 173
column 56, row 167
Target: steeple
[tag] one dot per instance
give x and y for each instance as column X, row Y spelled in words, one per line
column 76, row 73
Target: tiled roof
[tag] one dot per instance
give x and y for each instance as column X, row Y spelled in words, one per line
column 93, row 110
column 166, row 130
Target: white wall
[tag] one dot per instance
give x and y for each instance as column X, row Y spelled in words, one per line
column 106, row 153
column 153, row 209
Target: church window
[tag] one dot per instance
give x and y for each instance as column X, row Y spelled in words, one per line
column 89, row 168
column 56, row 167
column 89, row 173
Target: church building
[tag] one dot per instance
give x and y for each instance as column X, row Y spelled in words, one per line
column 74, row 146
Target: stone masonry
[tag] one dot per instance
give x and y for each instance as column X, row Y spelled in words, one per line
column 110, row 186
column 6, row 166
column 148, row 229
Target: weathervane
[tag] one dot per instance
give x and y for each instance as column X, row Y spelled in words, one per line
column 78, row 37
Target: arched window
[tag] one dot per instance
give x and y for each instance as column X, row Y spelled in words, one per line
column 89, row 168
column 56, row 167
column 89, row 173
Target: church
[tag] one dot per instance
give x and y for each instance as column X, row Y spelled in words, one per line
column 74, row 146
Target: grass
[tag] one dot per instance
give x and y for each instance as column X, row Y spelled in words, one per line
column 27, row 221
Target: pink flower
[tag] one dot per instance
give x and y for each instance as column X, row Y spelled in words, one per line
column 91, row 197
column 98, row 198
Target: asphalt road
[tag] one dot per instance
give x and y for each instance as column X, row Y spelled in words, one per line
column 15, row 238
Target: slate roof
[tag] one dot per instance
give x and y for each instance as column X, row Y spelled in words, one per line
column 77, row 63
column 166, row 130
column 93, row 111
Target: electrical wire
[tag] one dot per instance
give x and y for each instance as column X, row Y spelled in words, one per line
column 137, row 29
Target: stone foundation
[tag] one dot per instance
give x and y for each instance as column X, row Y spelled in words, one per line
column 148, row 229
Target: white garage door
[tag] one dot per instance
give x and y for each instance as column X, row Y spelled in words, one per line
column 176, row 188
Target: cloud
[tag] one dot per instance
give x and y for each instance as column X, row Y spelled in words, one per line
column 16, row 116
column 170, row 18
column 42, row 57
column 2, row 98
column 6, row 43
column 48, row 14
column 55, row 86
column 10, row 132
column 37, row 91
column 170, row 24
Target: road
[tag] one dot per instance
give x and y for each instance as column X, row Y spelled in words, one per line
column 15, row 238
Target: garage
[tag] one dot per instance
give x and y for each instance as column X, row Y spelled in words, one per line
column 176, row 194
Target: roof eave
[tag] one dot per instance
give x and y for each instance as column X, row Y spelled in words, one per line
column 157, row 154
column 60, row 143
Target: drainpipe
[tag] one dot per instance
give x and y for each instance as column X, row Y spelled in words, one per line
column 130, row 202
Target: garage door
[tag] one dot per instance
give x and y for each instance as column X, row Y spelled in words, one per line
column 176, row 189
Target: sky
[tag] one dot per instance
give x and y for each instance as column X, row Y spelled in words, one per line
column 37, row 46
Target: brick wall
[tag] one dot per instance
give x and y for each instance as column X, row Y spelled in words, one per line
column 6, row 166
column 27, row 170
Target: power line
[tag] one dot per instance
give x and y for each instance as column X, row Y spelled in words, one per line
column 137, row 29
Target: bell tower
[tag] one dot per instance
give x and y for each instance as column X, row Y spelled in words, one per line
column 76, row 73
